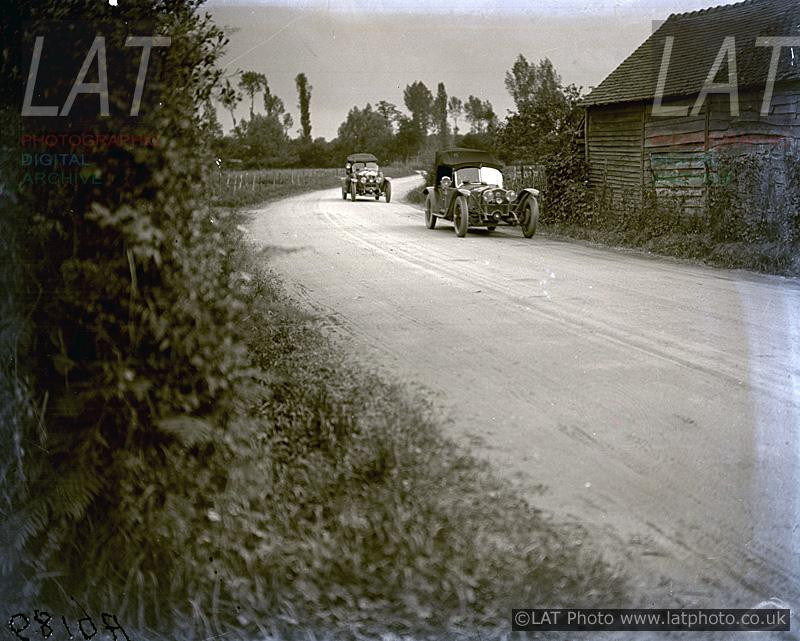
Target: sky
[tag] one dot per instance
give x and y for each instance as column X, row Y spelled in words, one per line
column 356, row 52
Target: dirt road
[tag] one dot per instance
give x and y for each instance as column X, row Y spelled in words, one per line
column 656, row 401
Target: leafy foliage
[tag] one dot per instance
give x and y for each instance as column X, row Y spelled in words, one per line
column 263, row 140
column 480, row 114
column 251, row 82
column 531, row 83
column 140, row 327
column 750, row 218
column 548, row 118
column 455, row 107
column 304, row 101
column 365, row 130
column 419, row 101
column 440, row 116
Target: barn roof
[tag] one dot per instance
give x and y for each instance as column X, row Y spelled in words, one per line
column 698, row 38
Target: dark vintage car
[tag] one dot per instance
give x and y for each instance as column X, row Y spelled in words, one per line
column 365, row 178
column 469, row 191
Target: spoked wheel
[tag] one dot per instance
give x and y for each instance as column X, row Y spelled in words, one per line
column 387, row 192
column 353, row 192
column 430, row 219
column 461, row 217
column 530, row 217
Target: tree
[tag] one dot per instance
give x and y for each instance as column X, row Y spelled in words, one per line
column 419, row 101
column 548, row 114
column 440, row 116
column 273, row 105
column 456, row 108
column 288, row 121
column 526, row 82
column 389, row 112
column 408, row 140
column 209, row 121
column 480, row 114
column 146, row 314
column 229, row 98
column 304, row 96
column 251, row 83
column 263, row 141
column 364, row 130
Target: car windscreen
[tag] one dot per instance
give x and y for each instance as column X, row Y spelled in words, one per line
column 485, row 175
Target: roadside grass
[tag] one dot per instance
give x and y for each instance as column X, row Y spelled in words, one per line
column 768, row 257
column 348, row 515
column 415, row 196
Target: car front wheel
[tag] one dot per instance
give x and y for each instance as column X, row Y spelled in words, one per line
column 530, row 217
column 344, row 193
column 387, row 192
column 353, row 192
column 430, row 219
column 461, row 217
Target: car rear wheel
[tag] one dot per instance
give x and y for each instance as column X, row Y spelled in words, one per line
column 353, row 192
column 387, row 192
column 430, row 219
column 461, row 217
column 530, row 217
column 377, row 195
column 491, row 227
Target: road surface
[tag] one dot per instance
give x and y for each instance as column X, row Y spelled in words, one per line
column 656, row 401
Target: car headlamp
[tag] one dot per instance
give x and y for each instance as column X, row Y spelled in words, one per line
column 487, row 196
column 511, row 195
column 498, row 198
column 363, row 179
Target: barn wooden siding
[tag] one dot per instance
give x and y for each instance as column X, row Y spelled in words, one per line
column 629, row 149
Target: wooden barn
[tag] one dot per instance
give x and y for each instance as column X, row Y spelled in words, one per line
column 727, row 78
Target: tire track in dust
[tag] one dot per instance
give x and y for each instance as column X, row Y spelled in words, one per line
column 759, row 555
column 579, row 327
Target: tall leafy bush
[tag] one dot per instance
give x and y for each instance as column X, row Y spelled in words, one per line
column 123, row 352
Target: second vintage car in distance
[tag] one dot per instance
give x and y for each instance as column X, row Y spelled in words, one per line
column 363, row 177
column 468, row 190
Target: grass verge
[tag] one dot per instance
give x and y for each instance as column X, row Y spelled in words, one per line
column 767, row 257
column 353, row 517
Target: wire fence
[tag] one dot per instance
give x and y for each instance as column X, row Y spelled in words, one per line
column 238, row 180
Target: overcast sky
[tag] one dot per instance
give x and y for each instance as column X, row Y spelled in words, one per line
column 360, row 51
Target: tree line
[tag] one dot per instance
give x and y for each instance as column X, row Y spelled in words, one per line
column 546, row 117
